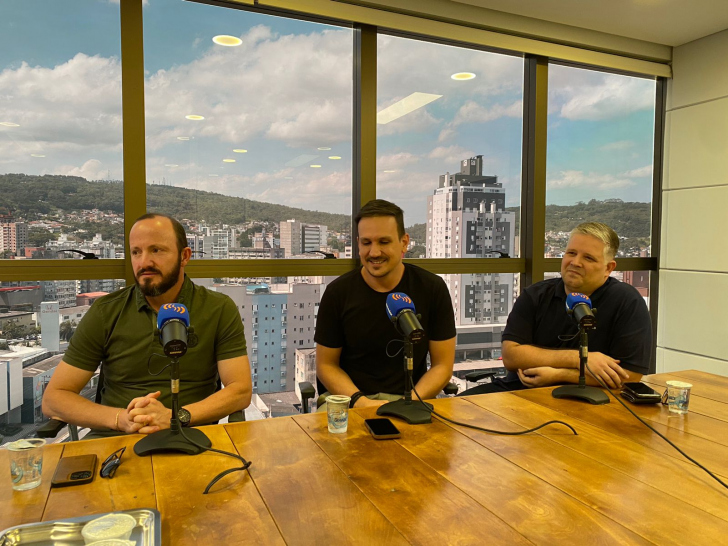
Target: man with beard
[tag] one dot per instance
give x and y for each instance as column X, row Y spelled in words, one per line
column 119, row 333
column 359, row 350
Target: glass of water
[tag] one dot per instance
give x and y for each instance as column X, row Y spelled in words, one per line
column 26, row 462
column 337, row 408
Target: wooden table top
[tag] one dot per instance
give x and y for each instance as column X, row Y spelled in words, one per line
column 615, row 483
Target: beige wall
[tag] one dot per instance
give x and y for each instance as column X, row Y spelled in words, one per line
column 693, row 318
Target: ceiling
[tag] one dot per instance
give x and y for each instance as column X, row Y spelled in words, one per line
column 667, row 22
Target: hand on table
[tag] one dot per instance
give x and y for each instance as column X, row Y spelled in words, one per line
column 607, row 369
column 539, row 377
column 149, row 413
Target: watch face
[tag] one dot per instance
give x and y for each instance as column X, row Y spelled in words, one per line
column 184, row 417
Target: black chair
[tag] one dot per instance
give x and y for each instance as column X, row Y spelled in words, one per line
column 54, row 426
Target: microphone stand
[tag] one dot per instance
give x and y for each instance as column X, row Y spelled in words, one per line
column 582, row 391
column 172, row 439
column 415, row 413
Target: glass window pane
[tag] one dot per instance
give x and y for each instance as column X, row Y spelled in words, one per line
column 600, row 156
column 60, row 127
column 249, row 144
column 37, row 319
column 449, row 128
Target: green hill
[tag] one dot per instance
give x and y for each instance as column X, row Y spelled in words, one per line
column 28, row 196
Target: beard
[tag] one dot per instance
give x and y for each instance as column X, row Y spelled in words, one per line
column 168, row 281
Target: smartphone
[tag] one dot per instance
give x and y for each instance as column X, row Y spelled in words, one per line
column 382, row 429
column 74, row 470
column 639, row 393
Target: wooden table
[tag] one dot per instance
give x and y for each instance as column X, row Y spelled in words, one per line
column 614, row 483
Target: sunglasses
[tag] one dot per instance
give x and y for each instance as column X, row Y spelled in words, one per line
column 112, row 462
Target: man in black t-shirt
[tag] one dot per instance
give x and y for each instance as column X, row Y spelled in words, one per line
column 358, row 349
column 539, row 341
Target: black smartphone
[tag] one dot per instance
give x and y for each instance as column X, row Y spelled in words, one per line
column 74, row 470
column 382, row 429
column 639, row 393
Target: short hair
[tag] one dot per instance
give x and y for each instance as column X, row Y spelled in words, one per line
column 602, row 232
column 179, row 230
column 380, row 207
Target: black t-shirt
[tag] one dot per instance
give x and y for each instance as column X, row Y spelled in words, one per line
column 624, row 329
column 353, row 316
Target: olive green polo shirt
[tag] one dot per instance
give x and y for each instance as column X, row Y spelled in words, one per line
column 120, row 330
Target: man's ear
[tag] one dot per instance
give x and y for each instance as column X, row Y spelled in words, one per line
column 186, row 255
column 611, row 266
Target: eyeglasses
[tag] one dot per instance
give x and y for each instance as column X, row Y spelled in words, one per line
column 112, row 462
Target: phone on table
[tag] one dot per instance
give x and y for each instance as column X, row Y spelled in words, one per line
column 639, row 393
column 74, row 470
column 381, row 429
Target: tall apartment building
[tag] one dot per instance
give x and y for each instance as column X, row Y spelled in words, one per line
column 298, row 238
column 466, row 218
column 64, row 292
column 13, row 237
column 277, row 322
column 212, row 244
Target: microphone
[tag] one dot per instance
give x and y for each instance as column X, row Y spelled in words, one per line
column 401, row 311
column 579, row 306
column 173, row 321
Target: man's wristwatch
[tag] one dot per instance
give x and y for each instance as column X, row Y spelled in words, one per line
column 184, row 417
column 354, row 398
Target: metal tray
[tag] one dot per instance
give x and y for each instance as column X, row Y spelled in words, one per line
column 67, row 532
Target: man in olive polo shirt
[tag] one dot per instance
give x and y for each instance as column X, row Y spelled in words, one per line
column 118, row 332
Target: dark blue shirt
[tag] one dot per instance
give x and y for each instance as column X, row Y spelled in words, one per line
column 624, row 328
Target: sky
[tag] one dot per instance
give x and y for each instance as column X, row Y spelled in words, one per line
column 285, row 93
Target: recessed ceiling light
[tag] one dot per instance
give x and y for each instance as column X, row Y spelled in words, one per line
column 288, row 177
column 405, row 106
column 212, row 175
column 183, row 138
column 334, row 157
column 240, row 151
column 228, row 161
column 315, row 166
column 390, row 171
column 9, row 124
column 460, row 76
column 194, row 117
column 226, row 40
column 171, row 165
column 324, row 148
column 37, row 155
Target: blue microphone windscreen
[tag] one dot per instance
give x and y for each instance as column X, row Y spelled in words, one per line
column 575, row 298
column 170, row 311
column 397, row 302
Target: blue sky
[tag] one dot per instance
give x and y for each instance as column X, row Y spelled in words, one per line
column 285, row 93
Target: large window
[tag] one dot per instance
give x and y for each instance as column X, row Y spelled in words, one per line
column 60, row 129
column 249, row 127
column 600, row 156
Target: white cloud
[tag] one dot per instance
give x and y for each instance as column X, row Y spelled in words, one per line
column 451, row 154
column 642, row 172
column 578, row 94
column 396, row 161
column 472, row 112
column 578, row 179
column 446, row 134
column 618, row 145
column 92, row 169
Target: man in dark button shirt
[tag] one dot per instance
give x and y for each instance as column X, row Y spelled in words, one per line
column 119, row 330
column 536, row 348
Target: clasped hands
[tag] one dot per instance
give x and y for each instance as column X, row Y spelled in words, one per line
column 602, row 366
column 145, row 415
